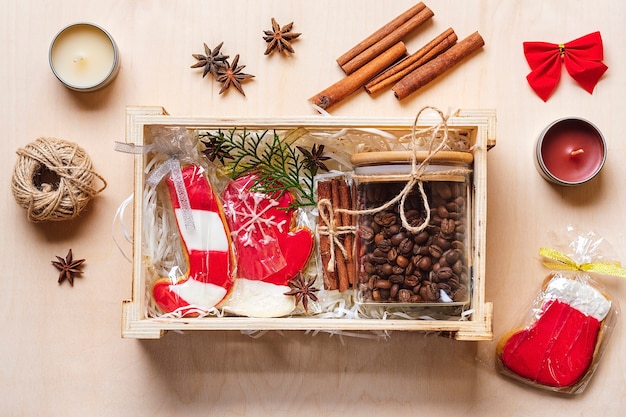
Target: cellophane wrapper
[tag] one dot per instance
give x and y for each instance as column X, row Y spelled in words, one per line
column 560, row 342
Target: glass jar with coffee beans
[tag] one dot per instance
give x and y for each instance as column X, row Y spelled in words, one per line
column 413, row 227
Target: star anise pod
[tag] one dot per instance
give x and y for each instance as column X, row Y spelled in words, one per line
column 212, row 61
column 215, row 149
column 230, row 74
column 279, row 38
column 303, row 290
column 68, row 267
column 315, row 158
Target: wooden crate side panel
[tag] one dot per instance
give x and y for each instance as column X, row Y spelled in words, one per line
column 133, row 310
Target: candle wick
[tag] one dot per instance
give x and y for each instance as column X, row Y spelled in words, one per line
column 78, row 58
column 577, row 152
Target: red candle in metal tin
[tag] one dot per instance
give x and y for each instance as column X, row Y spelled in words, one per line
column 570, row 151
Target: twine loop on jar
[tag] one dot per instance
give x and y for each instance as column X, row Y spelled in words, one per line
column 416, row 177
column 53, row 180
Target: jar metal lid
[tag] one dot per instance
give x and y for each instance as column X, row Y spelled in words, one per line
column 386, row 157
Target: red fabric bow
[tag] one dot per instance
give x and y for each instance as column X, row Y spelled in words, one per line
column 582, row 58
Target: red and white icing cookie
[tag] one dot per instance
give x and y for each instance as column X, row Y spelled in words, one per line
column 558, row 349
column 269, row 251
column 207, row 247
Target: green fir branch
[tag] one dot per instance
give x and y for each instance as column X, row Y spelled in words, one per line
column 280, row 166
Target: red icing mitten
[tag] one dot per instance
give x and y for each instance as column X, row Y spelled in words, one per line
column 207, row 247
column 558, row 349
column 269, row 251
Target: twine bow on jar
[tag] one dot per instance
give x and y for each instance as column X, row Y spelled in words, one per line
column 416, row 177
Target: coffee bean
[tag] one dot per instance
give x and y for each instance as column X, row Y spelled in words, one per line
column 404, row 295
column 429, row 292
column 457, row 267
column 382, row 284
column 444, row 273
column 384, row 294
column 392, row 255
column 411, row 281
column 393, row 291
column 397, row 270
column 423, row 262
column 452, row 256
column 386, row 269
column 405, row 246
column 447, row 227
column 396, row 279
column 409, row 268
column 397, row 238
column 366, row 233
column 421, row 238
column 435, row 251
column 393, row 230
column 402, row 261
column 384, row 245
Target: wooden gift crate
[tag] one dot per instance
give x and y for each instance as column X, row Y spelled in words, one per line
column 479, row 125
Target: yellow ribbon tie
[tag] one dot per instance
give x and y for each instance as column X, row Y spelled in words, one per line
column 560, row 261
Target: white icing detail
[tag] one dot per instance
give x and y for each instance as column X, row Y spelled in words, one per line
column 253, row 219
column 254, row 298
column 209, row 233
column 199, row 293
column 580, row 296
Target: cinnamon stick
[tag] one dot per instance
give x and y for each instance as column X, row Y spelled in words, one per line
column 330, row 278
column 345, row 197
column 380, row 33
column 387, row 41
column 395, row 73
column 348, row 85
column 434, row 68
column 340, row 259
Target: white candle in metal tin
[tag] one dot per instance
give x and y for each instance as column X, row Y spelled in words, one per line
column 84, row 57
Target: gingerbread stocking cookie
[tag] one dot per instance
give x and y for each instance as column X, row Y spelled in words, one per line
column 270, row 252
column 207, row 247
column 559, row 347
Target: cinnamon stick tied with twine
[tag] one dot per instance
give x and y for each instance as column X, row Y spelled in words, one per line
column 347, row 221
column 330, row 277
column 381, row 40
column 340, row 251
column 432, row 49
column 439, row 65
column 348, row 85
column 336, row 234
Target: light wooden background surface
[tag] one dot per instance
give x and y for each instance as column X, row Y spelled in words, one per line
column 61, row 353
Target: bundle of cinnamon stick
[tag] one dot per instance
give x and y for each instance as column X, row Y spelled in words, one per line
column 381, row 61
column 339, row 268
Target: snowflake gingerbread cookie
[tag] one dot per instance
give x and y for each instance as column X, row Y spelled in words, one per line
column 269, row 250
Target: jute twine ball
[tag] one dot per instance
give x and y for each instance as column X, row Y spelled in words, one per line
column 53, row 180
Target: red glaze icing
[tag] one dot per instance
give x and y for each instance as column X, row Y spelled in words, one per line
column 167, row 300
column 205, row 266
column 556, row 350
column 266, row 247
